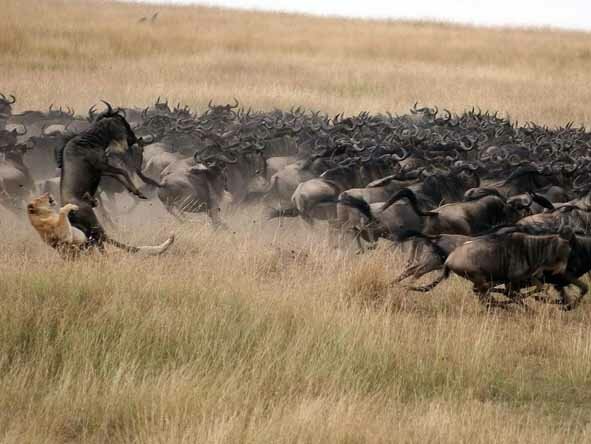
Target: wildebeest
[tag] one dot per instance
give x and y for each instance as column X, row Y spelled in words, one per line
column 396, row 215
column 193, row 187
column 85, row 160
column 513, row 259
column 5, row 109
column 16, row 182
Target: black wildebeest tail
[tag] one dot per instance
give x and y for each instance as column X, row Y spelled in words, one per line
column 357, row 203
column 412, row 199
column 145, row 250
column 435, row 283
column 542, row 201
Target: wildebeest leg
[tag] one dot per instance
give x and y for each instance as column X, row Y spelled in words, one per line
column 102, row 211
column 214, row 217
column 409, row 269
column 485, row 297
column 121, row 176
column 357, row 236
column 421, row 269
column 582, row 287
column 429, row 287
column 85, row 220
column 333, row 234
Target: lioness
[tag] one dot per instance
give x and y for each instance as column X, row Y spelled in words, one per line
column 55, row 229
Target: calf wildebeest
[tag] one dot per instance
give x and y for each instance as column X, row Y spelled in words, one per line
column 513, row 259
column 84, row 161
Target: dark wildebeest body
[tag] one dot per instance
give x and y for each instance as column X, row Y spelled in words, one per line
column 432, row 255
column 187, row 186
column 513, row 259
column 85, row 160
column 395, row 216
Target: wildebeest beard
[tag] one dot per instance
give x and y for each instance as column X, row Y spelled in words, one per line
column 85, row 160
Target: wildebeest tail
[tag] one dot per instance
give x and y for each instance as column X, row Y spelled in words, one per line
column 542, row 201
column 435, row 283
column 144, row 250
column 412, row 199
column 358, row 204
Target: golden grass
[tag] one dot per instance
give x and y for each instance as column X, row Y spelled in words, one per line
column 262, row 333
column 77, row 52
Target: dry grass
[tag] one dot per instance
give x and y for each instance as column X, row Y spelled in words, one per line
column 251, row 335
column 76, row 52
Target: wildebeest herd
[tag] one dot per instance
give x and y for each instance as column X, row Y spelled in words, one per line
column 504, row 205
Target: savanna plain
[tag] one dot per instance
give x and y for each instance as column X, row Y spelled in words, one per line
column 264, row 333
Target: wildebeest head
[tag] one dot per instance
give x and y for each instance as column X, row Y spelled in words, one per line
column 6, row 105
column 161, row 107
column 8, row 138
column 113, row 128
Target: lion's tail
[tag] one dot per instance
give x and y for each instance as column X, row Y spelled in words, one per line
column 144, row 250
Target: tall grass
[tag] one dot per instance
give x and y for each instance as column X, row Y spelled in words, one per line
column 263, row 333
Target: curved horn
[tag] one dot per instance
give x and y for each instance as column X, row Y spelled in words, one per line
column 236, row 103
column 109, row 107
column 13, row 99
column 404, row 155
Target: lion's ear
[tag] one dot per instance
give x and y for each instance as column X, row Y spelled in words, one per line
column 31, row 209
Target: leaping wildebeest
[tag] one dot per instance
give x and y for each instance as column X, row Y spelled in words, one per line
column 84, row 161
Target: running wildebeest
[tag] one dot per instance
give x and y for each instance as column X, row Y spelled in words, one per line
column 84, row 161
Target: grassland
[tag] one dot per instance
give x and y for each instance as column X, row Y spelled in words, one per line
column 263, row 334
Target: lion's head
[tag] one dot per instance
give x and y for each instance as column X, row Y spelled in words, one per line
column 41, row 205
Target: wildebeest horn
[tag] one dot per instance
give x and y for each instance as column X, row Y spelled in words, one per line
column 91, row 113
column 158, row 101
column 109, row 107
column 404, row 155
column 8, row 101
column 236, row 103
column 209, row 104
